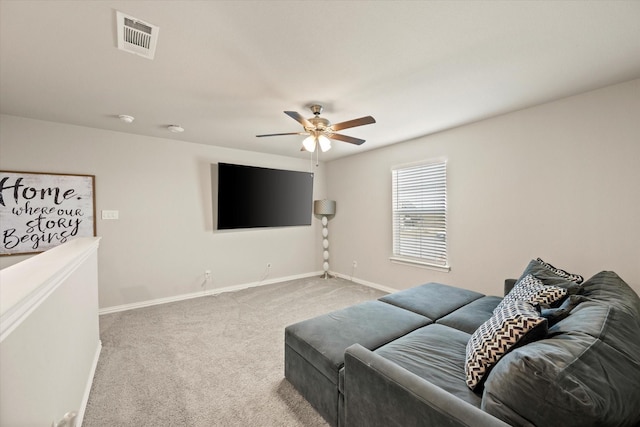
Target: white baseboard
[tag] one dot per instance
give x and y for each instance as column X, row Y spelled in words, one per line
column 216, row 291
column 234, row 288
column 366, row 283
column 87, row 388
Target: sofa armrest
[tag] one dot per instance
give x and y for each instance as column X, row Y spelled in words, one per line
column 380, row 393
column 508, row 285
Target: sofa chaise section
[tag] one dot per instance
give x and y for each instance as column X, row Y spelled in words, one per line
column 314, row 348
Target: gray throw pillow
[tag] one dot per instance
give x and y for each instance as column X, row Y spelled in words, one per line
column 550, row 278
column 569, row 276
column 554, row 315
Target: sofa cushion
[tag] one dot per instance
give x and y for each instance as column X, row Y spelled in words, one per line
column 569, row 276
column 433, row 300
column 435, row 353
column 469, row 317
column 608, row 287
column 512, row 324
column 322, row 340
column 584, row 373
column 531, row 289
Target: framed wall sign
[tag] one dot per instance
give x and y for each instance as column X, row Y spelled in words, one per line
column 39, row 211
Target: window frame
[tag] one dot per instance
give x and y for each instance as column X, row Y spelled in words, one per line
column 415, row 253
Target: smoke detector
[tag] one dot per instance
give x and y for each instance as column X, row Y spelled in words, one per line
column 126, row 118
column 136, row 36
column 175, row 128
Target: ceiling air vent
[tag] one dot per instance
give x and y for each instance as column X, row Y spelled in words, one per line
column 136, row 36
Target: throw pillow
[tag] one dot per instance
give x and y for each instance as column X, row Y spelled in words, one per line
column 569, row 276
column 532, row 290
column 554, row 315
column 550, row 278
column 515, row 324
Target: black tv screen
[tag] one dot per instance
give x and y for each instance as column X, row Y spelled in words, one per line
column 250, row 197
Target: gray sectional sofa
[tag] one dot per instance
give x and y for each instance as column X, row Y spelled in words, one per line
column 404, row 359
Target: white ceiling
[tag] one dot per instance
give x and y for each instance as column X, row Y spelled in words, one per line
column 226, row 70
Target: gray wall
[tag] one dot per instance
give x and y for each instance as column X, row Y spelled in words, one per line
column 559, row 181
column 164, row 240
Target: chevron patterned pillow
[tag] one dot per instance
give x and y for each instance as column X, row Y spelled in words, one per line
column 531, row 289
column 569, row 276
column 515, row 324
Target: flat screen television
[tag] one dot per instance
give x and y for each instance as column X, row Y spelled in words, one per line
column 250, row 197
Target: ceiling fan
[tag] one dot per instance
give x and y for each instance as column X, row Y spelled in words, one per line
column 321, row 131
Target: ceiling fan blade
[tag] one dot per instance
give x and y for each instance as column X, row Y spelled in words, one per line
column 287, row 133
column 367, row 120
column 345, row 138
column 297, row 117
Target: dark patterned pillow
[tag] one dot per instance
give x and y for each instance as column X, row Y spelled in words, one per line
column 531, row 289
column 515, row 324
column 569, row 276
column 549, row 278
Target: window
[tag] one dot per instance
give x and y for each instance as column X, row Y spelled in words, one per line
column 419, row 214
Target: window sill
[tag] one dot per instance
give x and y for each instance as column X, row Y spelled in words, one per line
column 420, row 263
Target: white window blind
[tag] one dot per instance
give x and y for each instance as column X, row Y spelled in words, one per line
column 419, row 214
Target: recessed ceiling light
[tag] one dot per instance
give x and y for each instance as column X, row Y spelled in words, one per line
column 126, row 119
column 175, row 128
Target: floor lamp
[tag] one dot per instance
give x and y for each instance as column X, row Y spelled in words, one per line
column 326, row 209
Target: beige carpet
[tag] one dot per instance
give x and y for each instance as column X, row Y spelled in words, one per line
column 210, row 361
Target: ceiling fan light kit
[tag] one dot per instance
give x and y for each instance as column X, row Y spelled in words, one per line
column 320, row 131
column 312, row 141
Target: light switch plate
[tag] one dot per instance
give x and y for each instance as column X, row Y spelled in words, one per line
column 110, row 214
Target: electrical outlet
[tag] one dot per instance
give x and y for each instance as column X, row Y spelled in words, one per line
column 355, row 264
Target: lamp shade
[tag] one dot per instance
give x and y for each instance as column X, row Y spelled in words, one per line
column 324, row 207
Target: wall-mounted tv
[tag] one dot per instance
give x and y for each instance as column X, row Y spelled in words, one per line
column 250, row 197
